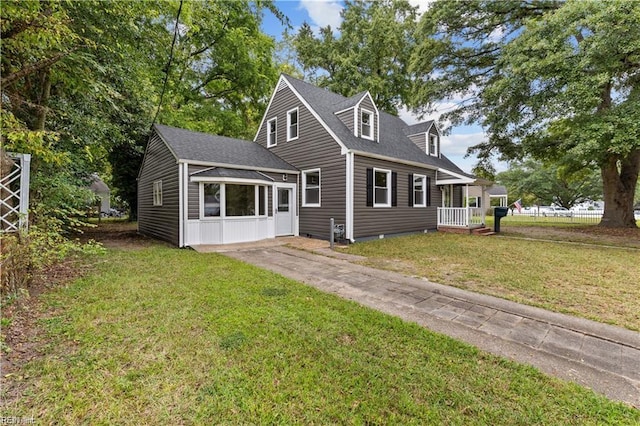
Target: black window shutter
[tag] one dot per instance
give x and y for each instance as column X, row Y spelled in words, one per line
column 370, row 187
column 394, row 189
column 428, row 191
column 410, row 189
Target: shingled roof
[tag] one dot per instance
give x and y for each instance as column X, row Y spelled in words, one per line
column 200, row 147
column 393, row 141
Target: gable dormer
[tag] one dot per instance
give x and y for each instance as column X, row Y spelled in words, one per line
column 367, row 119
column 425, row 136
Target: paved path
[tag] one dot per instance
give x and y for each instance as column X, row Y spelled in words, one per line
column 598, row 356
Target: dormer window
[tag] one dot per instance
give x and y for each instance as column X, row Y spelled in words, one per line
column 272, row 126
column 433, row 145
column 292, row 124
column 366, row 124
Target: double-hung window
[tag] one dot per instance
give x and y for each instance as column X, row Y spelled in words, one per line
column 292, row 124
column 419, row 190
column 157, row 193
column 311, row 188
column 272, row 132
column 433, row 145
column 366, row 124
column 381, row 188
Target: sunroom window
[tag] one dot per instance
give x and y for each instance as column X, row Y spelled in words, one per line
column 232, row 200
column 240, row 200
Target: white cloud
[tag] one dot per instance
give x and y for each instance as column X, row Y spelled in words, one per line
column 323, row 13
column 423, row 5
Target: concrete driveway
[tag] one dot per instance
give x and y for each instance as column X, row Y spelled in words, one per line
column 598, row 356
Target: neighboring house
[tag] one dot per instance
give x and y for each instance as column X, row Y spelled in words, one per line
column 485, row 197
column 317, row 155
column 103, row 193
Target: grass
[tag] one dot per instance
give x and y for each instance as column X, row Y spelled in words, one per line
column 160, row 335
column 590, row 281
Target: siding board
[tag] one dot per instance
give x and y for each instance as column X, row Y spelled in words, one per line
column 162, row 222
column 314, row 148
column 373, row 221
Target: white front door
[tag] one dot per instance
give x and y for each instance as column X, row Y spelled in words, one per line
column 285, row 211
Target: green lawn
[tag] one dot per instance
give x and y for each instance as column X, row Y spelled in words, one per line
column 590, row 281
column 160, row 335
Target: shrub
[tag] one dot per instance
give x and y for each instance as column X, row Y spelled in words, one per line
column 23, row 254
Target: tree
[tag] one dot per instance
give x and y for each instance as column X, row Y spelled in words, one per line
column 371, row 52
column 222, row 70
column 555, row 80
column 540, row 184
column 81, row 82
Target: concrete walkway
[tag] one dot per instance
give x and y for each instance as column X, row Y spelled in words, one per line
column 599, row 356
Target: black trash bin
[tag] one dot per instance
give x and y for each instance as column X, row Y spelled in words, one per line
column 498, row 213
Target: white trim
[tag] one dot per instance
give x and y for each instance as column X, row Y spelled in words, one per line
column 424, row 190
column 316, row 116
column 377, row 114
column 297, row 111
column 304, row 188
column 458, row 178
column 157, row 193
column 223, row 200
column 343, row 110
column 293, row 205
column 241, row 181
column 349, row 232
column 276, row 89
column 394, row 160
column 389, row 187
column 180, row 205
column 237, row 166
column 275, row 136
column 437, row 145
column 371, row 124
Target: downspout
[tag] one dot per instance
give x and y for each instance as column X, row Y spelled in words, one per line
column 349, row 232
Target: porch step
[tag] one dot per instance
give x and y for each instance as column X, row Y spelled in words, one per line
column 484, row 231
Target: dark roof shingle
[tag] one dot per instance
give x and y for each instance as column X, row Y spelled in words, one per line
column 204, row 147
column 393, row 141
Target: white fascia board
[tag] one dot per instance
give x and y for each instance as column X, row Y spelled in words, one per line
column 452, row 182
column 147, row 148
column 314, row 113
column 229, row 180
column 273, row 95
column 344, row 110
column 238, row 167
column 394, row 160
column 460, row 178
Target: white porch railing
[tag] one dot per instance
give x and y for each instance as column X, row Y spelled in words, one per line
column 464, row 217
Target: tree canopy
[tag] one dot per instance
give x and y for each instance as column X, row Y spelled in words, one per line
column 555, row 80
column 544, row 184
column 369, row 51
column 82, row 81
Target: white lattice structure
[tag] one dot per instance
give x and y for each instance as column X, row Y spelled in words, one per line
column 14, row 190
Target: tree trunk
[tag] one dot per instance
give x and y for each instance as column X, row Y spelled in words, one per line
column 619, row 179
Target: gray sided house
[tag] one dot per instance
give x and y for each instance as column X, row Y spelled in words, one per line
column 195, row 188
column 317, row 155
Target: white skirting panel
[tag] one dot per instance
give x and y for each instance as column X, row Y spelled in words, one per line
column 229, row 230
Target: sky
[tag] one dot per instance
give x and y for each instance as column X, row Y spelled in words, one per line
column 320, row 13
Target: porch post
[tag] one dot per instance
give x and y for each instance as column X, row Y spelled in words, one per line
column 483, row 207
column 466, row 202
